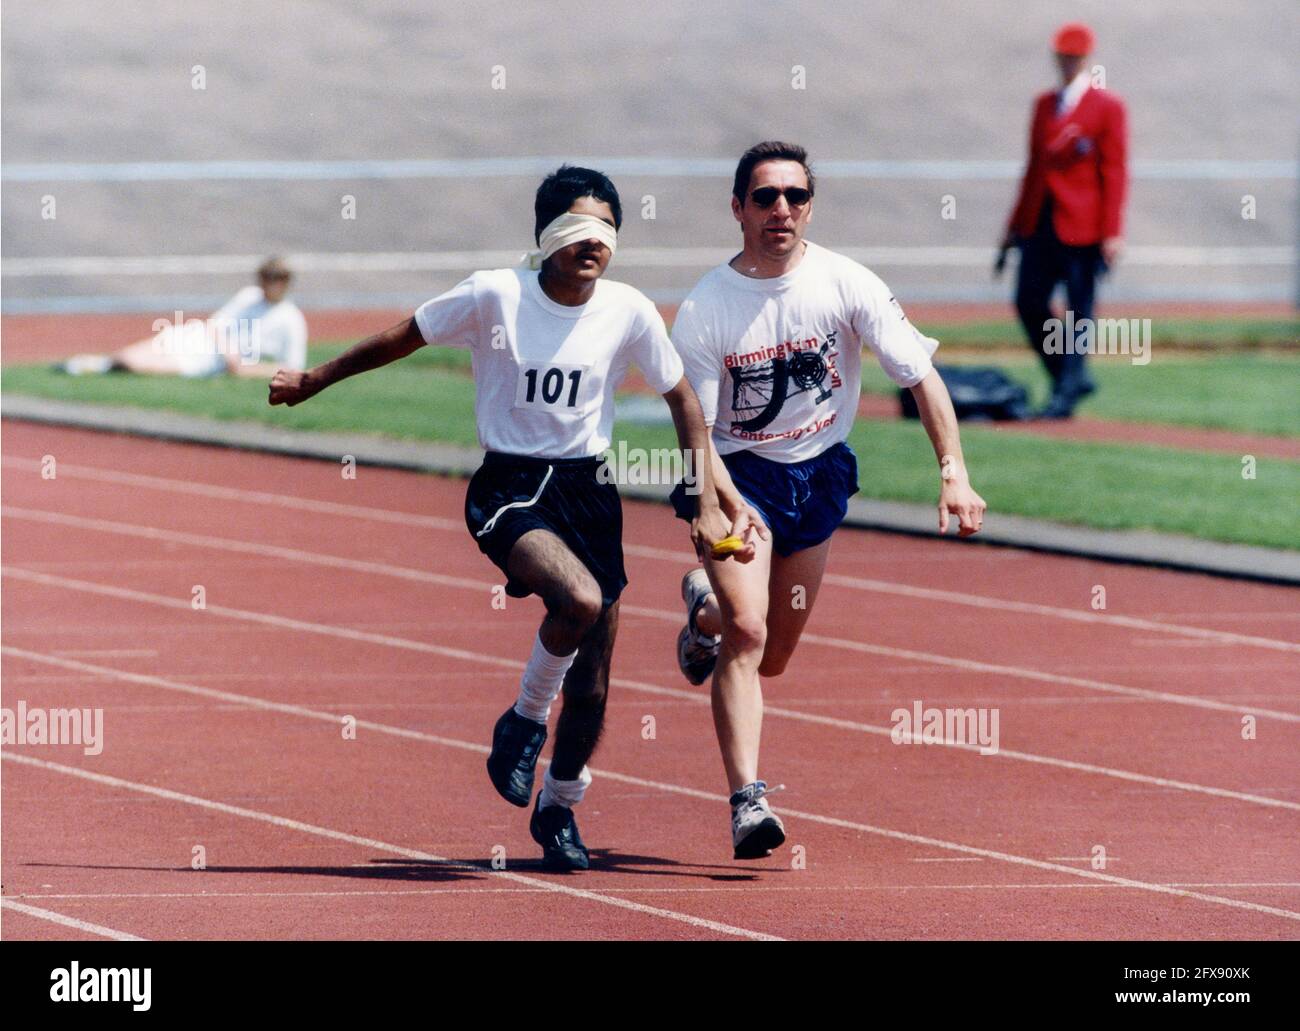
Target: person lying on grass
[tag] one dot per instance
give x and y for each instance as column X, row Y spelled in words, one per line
column 254, row 333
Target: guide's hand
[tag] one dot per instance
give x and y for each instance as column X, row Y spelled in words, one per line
column 749, row 527
column 958, row 497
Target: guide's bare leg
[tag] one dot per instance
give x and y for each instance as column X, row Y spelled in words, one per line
column 741, row 592
column 769, row 628
column 793, row 588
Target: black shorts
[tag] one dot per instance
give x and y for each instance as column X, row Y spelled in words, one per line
column 512, row 494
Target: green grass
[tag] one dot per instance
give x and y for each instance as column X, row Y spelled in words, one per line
column 1249, row 393
column 428, row 397
column 1108, row 486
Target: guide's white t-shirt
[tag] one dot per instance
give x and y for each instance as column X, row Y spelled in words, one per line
column 545, row 373
column 777, row 363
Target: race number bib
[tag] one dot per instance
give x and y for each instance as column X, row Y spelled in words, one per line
column 554, row 387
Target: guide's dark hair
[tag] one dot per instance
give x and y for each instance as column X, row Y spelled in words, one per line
column 565, row 185
column 768, row 150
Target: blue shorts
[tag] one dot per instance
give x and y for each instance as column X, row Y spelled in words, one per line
column 801, row 502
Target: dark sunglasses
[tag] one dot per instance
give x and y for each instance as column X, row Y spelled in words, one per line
column 765, row 196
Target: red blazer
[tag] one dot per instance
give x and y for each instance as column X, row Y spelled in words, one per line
column 1081, row 160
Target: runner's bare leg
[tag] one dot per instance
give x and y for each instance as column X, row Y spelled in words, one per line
column 544, row 564
column 576, row 618
column 586, row 687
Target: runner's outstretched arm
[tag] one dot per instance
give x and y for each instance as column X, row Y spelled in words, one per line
column 290, row 388
column 956, row 496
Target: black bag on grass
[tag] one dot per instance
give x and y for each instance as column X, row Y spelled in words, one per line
column 979, row 392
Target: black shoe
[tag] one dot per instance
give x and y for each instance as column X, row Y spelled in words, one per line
column 1066, row 398
column 555, row 829
column 516, row 744
column 1059, row 406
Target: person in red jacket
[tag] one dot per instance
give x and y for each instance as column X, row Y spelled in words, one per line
column 1067, row 221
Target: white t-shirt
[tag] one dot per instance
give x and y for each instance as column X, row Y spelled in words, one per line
column 777, row 363
column 279, row 331
column 281, row 328
column 246, row 327
column 545, row 373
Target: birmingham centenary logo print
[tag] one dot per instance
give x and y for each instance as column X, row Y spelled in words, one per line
column 761, row 381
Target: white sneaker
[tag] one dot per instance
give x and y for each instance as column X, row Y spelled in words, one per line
column 697, row 653
column 87, row 365
column 755, row 829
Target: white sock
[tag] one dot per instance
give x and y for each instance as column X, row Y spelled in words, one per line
column 541, row 683
column 88, row 364
column 567, row 793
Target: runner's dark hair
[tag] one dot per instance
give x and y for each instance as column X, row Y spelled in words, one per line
column 768, row 150
column 565, row 185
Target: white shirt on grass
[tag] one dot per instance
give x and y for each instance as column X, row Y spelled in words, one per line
column 281, row 328
column 777, row 363
column 246, row 327
column 545, row 373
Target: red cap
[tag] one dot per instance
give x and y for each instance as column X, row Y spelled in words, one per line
column 1073, row 40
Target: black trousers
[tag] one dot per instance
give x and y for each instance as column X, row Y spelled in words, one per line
column 1046, row 263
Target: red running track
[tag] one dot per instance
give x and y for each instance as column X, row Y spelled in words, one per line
column 325, row 598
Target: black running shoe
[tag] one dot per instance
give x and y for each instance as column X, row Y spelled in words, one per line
column 555, row 829
column 516, row 744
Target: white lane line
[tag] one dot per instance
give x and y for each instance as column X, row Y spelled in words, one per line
column 254, row 497
column 676, row 789
column 406, row 573
column 497, row 166
column 921, row 256
column 746, row 888
column 973, row 666
column 1202, row 635
column 951, row 859
column 241, row 700
column 698, row 698
column 265, row 618
column 68, row 921
column 245, row 547
column 107, row 653
column 436, row 523
column 383, row 846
